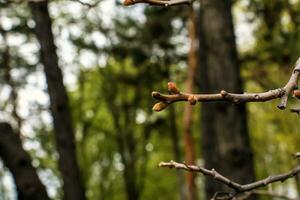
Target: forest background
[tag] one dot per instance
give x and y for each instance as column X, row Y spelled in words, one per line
column 111, row 58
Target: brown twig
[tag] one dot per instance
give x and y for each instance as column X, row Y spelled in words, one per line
column 282, row 93
column 273, row 194
column 238, row 188
column 158, row 2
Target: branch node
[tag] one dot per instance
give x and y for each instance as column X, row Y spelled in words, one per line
column 192, row 100
column 223, row 93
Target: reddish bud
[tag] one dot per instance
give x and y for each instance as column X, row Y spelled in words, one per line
column 172, row 87
column 159, row 106
column 128, row 2
column 297, row 93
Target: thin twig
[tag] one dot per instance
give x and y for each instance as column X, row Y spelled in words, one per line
column 273, row 194
column 282, row 93
column 89, row 5
column 238, row 188
column 158, row 2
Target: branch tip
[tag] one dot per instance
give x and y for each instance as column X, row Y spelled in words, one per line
column 160, row 106
column 155, row 94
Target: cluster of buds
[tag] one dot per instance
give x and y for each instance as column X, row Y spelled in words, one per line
column 168, row 99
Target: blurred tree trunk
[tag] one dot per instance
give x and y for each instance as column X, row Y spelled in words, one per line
column 15, row 158
column 189, row 146
column 59, row 105
column 176, row 150
column 225, row 140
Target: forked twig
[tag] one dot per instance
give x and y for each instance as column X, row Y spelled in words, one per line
column 237, row 187
column 282, row 93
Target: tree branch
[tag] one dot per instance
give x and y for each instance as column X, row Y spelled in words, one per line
column 282, row 93
column 265, row 193
column 158, row 2
column 238, row 188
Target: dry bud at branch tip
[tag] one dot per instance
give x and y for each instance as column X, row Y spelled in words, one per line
column 172, row 87
column 159, row 106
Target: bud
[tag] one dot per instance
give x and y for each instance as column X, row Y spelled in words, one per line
column 159, row 106
column 223, row 93
column 297, row 93
column 192, row 100
column 128, row 2
column 172, row 87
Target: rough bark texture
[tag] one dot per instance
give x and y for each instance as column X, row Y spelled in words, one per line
column 225, row 140
column 15, row 158
column 64, row 134
column 189, row 146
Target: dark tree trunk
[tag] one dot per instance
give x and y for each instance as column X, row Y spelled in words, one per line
column 225, row 140
column 15, row 158
column 59, row 105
